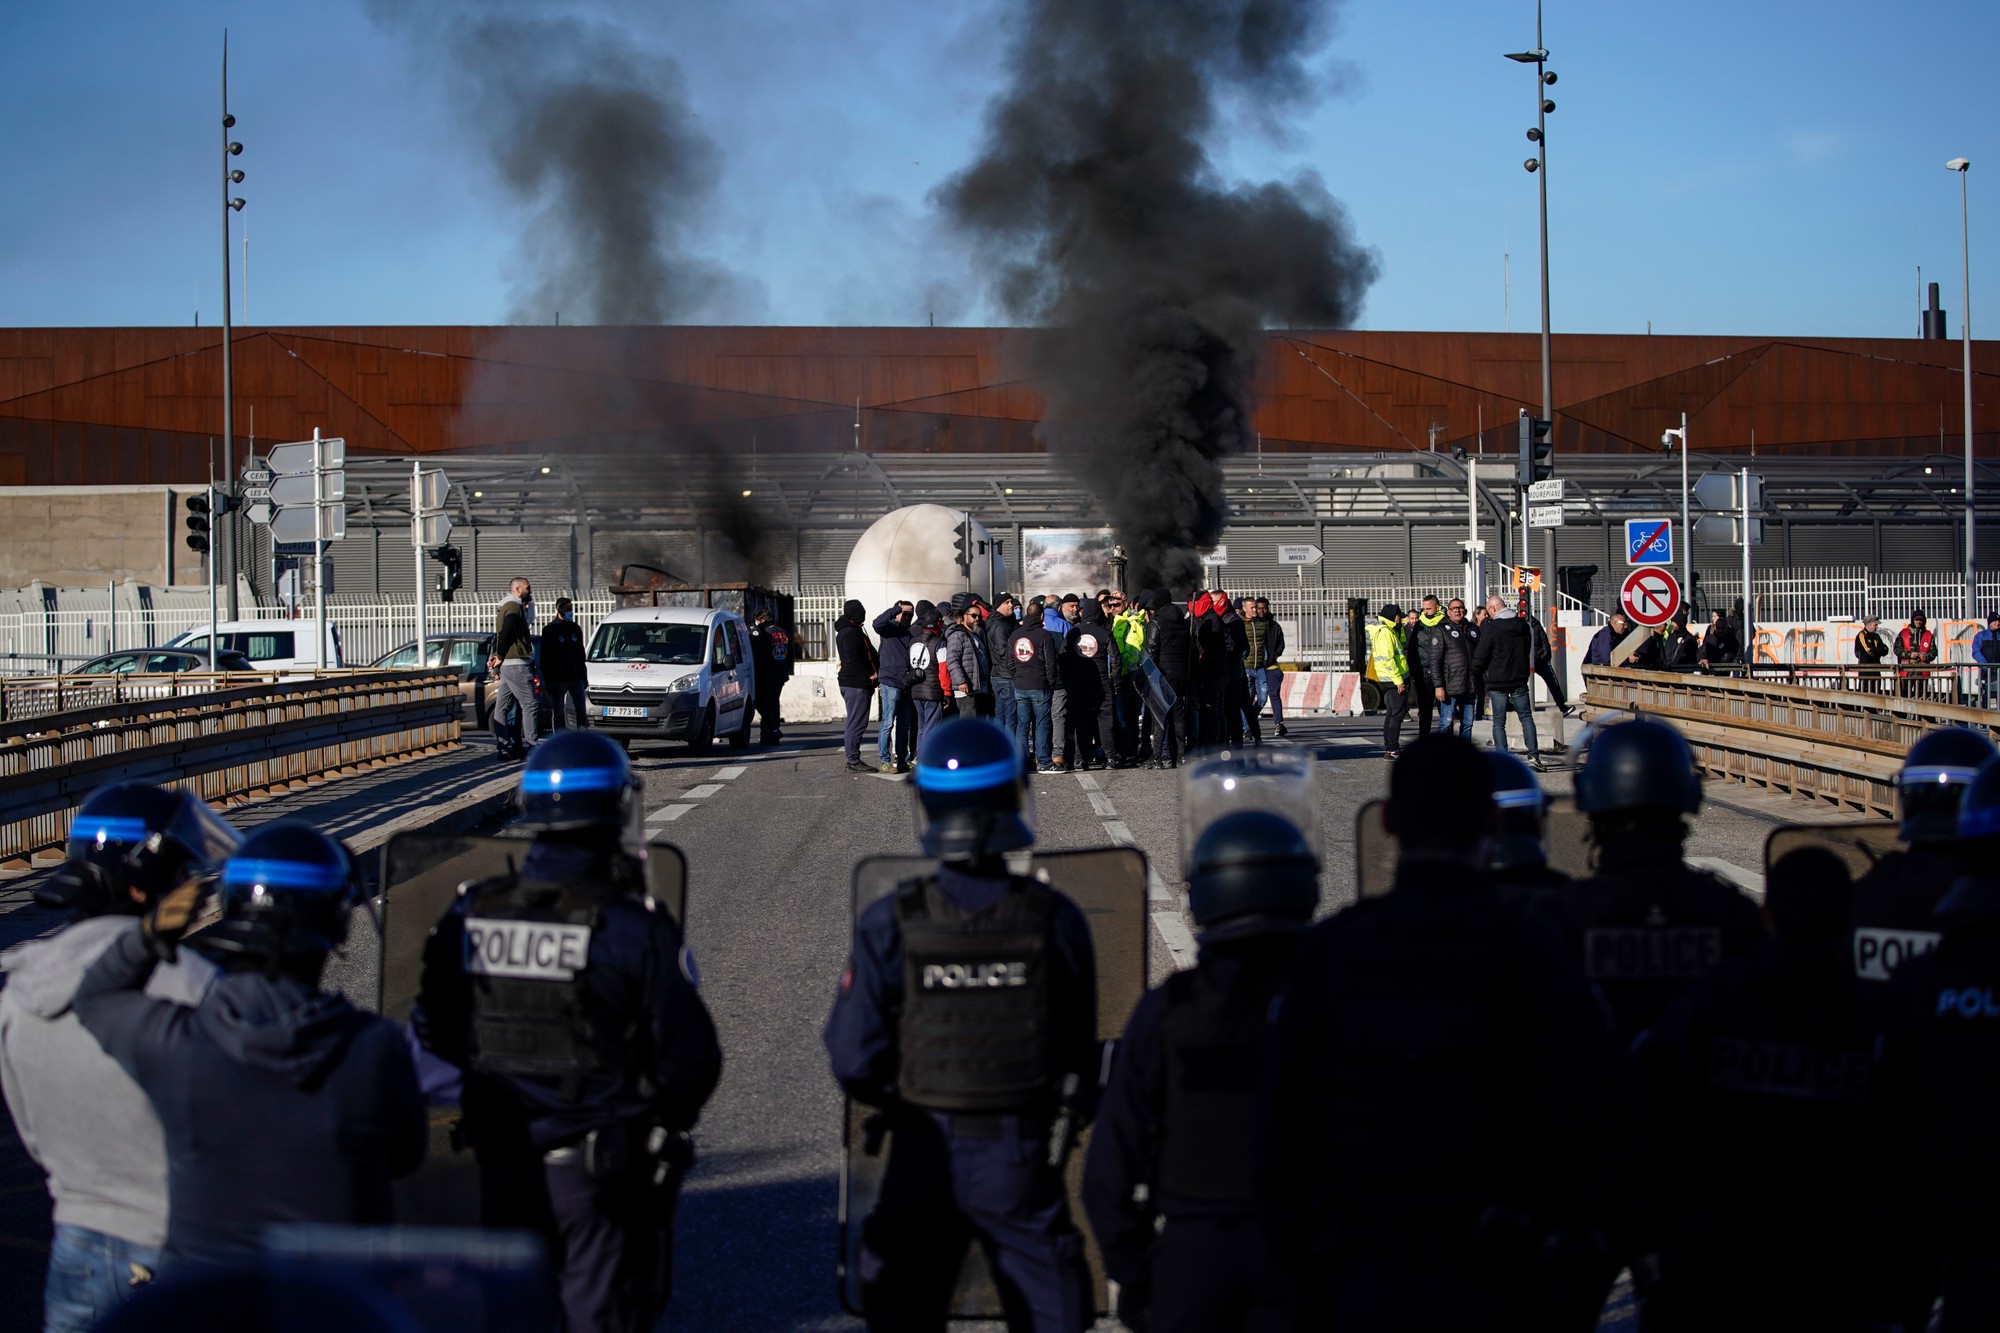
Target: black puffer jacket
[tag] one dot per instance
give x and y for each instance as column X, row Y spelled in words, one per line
column 1457, row 641
column 999, row 631
column 1505, row 655
column 1170, row 643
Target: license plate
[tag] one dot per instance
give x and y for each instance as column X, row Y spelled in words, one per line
column 623, row 710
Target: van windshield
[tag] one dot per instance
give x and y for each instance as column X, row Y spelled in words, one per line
column 649, row 641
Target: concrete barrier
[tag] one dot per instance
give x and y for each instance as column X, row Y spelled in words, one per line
column 1321, row 692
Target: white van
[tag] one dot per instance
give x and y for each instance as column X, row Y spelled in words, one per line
column 271, row 645
column 671, row 673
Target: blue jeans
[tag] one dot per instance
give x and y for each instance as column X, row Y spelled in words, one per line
column 928, row 712
column 1456, row 712
column 1003, row 704
column 1031, row 724
column 1523, row 703
column 89, row 1273
column 893, row 740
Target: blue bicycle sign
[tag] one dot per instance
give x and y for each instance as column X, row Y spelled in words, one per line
column 1649, row 541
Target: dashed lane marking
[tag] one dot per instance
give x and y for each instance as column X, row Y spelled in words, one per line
column 1748, row 881
column 1102, row 805
column 1173, row 927
column 1115, row 830
column 1177, row 937
column 733, row 772
column 706, row 789
column 1087, row 782
column 667, row 812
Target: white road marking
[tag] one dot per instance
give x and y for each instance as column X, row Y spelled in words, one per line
column 667, row 812
column 733, row 772
column 1086, row 781
column 1177, row 937
column 1102, row 805
column 706, row 789
column 1115, row 830
column 892, row 777
column 1748, row 881
column 1156, row 888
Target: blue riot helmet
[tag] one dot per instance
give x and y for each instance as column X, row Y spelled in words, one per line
column 1520, row 808
column 1252, row 871
column 287, row 892
column 1637, row 766
column 974, row 801
column 579, row 782
column 130, row 844
column 1936, row 772
column 1979, row 807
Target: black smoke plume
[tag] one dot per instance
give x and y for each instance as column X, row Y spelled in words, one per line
column 592, row 135
column 1100, row 214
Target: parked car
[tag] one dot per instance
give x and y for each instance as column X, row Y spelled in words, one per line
column 468, row 652
column 273, row 645
column 671, row 673
column 162, row 661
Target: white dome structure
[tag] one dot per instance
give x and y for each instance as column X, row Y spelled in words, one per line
column 912, row 555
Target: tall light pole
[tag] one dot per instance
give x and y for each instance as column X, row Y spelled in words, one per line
column 1669, row 438
column 231, row 177
column 1963, row 166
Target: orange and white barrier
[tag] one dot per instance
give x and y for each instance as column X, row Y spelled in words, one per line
column 1321, row 692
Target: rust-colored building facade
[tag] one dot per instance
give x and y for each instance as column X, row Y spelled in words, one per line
column 142, row 405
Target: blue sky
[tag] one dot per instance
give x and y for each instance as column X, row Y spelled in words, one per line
column 1717, row 166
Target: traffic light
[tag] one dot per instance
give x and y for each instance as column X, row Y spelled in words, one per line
column 1535, row 449
column 961, row 543
column 453, row 577
column 200, row 507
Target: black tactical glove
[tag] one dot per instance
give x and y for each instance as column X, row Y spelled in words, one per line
column 168, row 919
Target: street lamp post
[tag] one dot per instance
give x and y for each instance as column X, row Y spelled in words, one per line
column 1538, row 164
column 1669, row 438
column 225, row 535
column 1963, row 166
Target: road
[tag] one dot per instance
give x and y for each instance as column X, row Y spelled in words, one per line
column 771, row 839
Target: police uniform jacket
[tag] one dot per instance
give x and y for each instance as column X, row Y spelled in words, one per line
column 1895, row 906
column 863, row 1030
column 656, row 1054
column 1435, row 1053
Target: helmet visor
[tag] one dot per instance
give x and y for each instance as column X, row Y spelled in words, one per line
column 1215, row 785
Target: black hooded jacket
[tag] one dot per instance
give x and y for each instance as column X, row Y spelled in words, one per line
column 1090, row 657
column 850, row 644
column 277, row 1103
column 1170, row 642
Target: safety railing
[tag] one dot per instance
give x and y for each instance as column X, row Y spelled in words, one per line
column 23, row 697
column 224, row 745
column 1841, row 746
column 1946, row 683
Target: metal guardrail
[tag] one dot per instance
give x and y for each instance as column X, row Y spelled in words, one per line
column 229, row 742
column 1941, row 682
column 1841, row 745
column 27, row 697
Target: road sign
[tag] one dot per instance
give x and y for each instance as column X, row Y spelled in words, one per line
column 1548, row 492
column 259, row 511
column 287, row 492
column 428, row 530
column 1721, row 530
column 1650, row 596
column 1649, row 541
column 1306, row 554
column 1219, row 556
column 296, row 525
column 252, row 494
column 1722, row 491
column 432, row 488
column 257, row 476
column 1527, row 579
column 296, row 460
column 1545, row 516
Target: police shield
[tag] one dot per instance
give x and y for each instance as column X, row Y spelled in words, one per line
column 1374, row 851
column 1566, row 838
column 420, row 877
column 1109, row 885
column 1860, row 846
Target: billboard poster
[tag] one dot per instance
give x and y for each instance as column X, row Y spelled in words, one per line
column 1060, row 560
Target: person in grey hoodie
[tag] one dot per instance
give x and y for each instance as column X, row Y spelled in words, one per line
column 81, row 1117
column 277, row 1102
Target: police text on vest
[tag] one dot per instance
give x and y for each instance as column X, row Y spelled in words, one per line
column 536, row 950
column 974, row 976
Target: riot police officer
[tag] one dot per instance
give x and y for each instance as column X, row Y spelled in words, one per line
column 1940, row 1067
column 568, row 998
column 277, row 1102
column 1648, row 925
column 1517, row 861
column 1895, row 900
column 1170, row 1183
column 81, row 1117
column 1441, row 1104
column 968, row 1016
column 1763, row 1079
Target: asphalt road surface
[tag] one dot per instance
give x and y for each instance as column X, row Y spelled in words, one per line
column 772, row 838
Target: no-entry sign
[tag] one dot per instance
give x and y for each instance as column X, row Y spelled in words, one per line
column 1650, row 596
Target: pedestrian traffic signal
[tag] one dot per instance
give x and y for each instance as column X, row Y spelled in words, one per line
column 1535, row 449
column 453, row 577
column 199, row 509
column 961, row 543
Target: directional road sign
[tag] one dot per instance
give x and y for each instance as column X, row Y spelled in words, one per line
column 1306, row 554
column 1545, row 516
column 1722, row 530
column 432, row 488
column 1650, row 596
column 1219, row 556
column 259, row 511
column 288, row 491
column 295, row 460
column 1649, row 541
column 296, row 525
column 430, row 530
column 1548, row 492
column 257, row 476
column 252, row 494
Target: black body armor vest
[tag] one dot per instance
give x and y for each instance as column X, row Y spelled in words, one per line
column 527, row 944
column 1214, row 1037
column 975, row 1020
